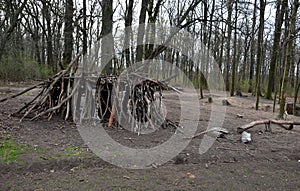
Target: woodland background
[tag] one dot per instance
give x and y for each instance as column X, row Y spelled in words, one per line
column 256, row 43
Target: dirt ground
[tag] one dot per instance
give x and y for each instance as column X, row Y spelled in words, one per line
column 55, row 157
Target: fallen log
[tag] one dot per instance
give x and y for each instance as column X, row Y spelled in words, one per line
column 268, row 123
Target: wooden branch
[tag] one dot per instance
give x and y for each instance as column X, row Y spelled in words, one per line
column 59, row 105
column 22, row 92
column 50, row 87
column 216, row 129
column 252, row 124
column 29, row 103
column 281, row 123
column 161, row 83
column 111, row 117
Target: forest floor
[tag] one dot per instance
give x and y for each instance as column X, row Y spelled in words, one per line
column 51, row 155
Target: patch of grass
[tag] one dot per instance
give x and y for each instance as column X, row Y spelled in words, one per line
column 9, row 150
column 41, row 151
column 72, row 148
column 248, row 171
column 78, row 153
column 71, row 152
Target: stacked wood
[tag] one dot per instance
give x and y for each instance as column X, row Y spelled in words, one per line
column 131, row 99
column 54, row 97
column 103, row 96
column 138, row 98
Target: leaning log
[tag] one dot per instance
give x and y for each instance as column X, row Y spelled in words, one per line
column 268, row 122
column 22, row 92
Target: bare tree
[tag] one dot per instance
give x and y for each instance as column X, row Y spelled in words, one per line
column 288, row 56
column 107, row 45
column 68, row 33
column 252, row 48
column 128, row 23
column 228, row 44
column 141, row 31
column 14, row 18
column 234, row 58
column 281, row 6
column 260, row 42
column 47, row 16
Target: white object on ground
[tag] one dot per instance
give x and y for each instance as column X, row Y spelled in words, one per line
column 246, row 137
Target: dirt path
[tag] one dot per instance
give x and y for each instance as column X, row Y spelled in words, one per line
column 54, row 156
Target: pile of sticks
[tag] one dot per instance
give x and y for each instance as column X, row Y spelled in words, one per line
column 54, row 98
column 133, row 98
column 137, row 100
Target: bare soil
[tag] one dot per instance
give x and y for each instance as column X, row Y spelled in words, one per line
column 58, row 158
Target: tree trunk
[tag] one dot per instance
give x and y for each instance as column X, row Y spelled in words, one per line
column 234, row 59
column 84, row 29
column 259, row 51
column 275, row 48
column 252, row 49
column 297, row 86
column 229, row 30
column 107, row 45
column 68, row 34
column 128, row 23
column 47, row 16
column 141, row 32
column 288, row 56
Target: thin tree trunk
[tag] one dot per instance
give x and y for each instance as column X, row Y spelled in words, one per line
column 259, row 51
column 84, row 29
column 234, row 59
column 107, row 45
column 141, row 32
column 68, row 34
column 252, row 49
column 128, row 23
column 228, row 45
column 275, row 49
column 297, row 86
column 288, row 56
